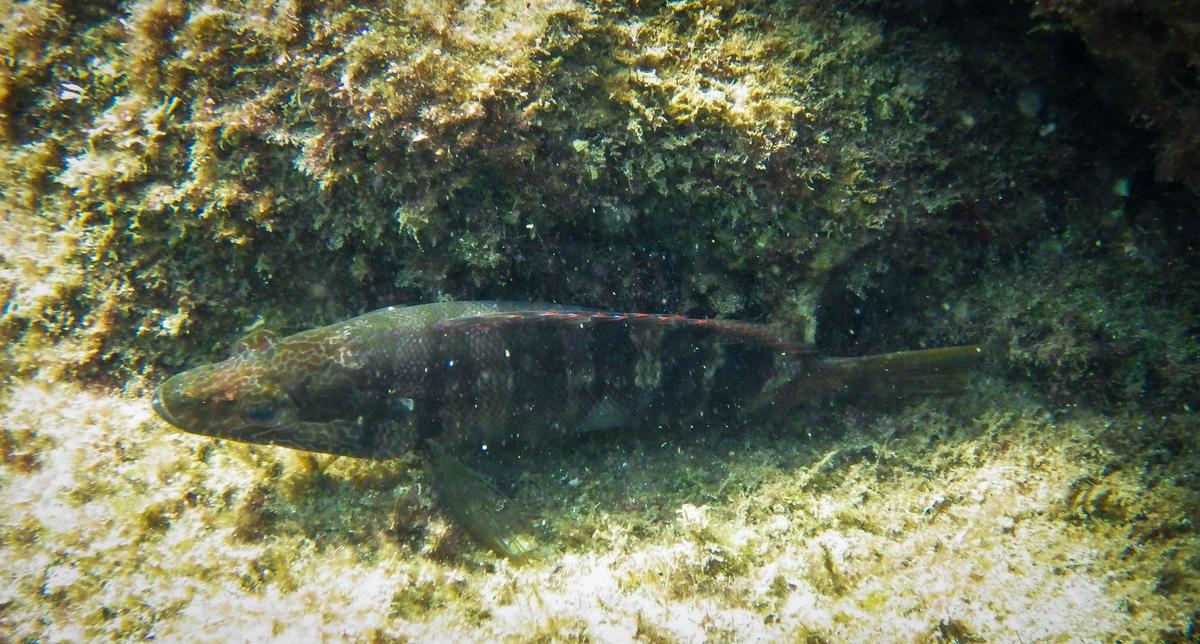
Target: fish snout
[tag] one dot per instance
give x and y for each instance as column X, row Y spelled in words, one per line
column 160, row 406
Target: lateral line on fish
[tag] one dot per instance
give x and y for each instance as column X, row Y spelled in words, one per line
column 747, row 331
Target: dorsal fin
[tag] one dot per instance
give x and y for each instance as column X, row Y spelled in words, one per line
column 257, row 339
column 748, row 332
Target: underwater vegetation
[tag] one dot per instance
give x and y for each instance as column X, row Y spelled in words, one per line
column 871, row 176
column 712, row 158
column 1152, row 48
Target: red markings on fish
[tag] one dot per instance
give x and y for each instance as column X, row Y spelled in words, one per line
column 569, row 316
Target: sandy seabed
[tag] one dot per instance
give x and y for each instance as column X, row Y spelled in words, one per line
column 994, row 517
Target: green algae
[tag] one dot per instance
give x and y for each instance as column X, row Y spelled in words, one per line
column 405, row 153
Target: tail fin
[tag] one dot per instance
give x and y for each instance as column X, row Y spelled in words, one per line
column 885, row 376
column 930, row 372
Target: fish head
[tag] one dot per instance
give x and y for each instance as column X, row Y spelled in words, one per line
column 260, row 397
column 230, row 399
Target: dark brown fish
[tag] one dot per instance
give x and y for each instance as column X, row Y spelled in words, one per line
column 465, row 375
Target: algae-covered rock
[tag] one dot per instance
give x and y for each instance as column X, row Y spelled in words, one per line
column 1096, row 309
column 212, row 162
column 1151, row 50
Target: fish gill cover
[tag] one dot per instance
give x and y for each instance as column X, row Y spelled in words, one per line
column 881, row 175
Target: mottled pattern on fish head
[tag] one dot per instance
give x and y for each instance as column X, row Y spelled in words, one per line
column 234, row 399
column 305, row 392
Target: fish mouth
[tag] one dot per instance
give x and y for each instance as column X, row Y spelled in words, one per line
column 160, row 407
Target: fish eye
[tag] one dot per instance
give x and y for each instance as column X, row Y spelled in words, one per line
column 259, row 414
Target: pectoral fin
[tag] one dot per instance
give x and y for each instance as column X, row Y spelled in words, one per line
column 478, row 507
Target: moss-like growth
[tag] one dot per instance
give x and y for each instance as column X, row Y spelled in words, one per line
column 717, row 158
column 1096, row 307
column 1150, row 47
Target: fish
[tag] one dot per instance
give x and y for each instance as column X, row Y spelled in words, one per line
column 451, row 378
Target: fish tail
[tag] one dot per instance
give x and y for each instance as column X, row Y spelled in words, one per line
column 886, row 376
column 929, row 372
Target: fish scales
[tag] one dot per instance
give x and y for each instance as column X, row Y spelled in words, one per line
column 466, row 374
column 534, row 379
